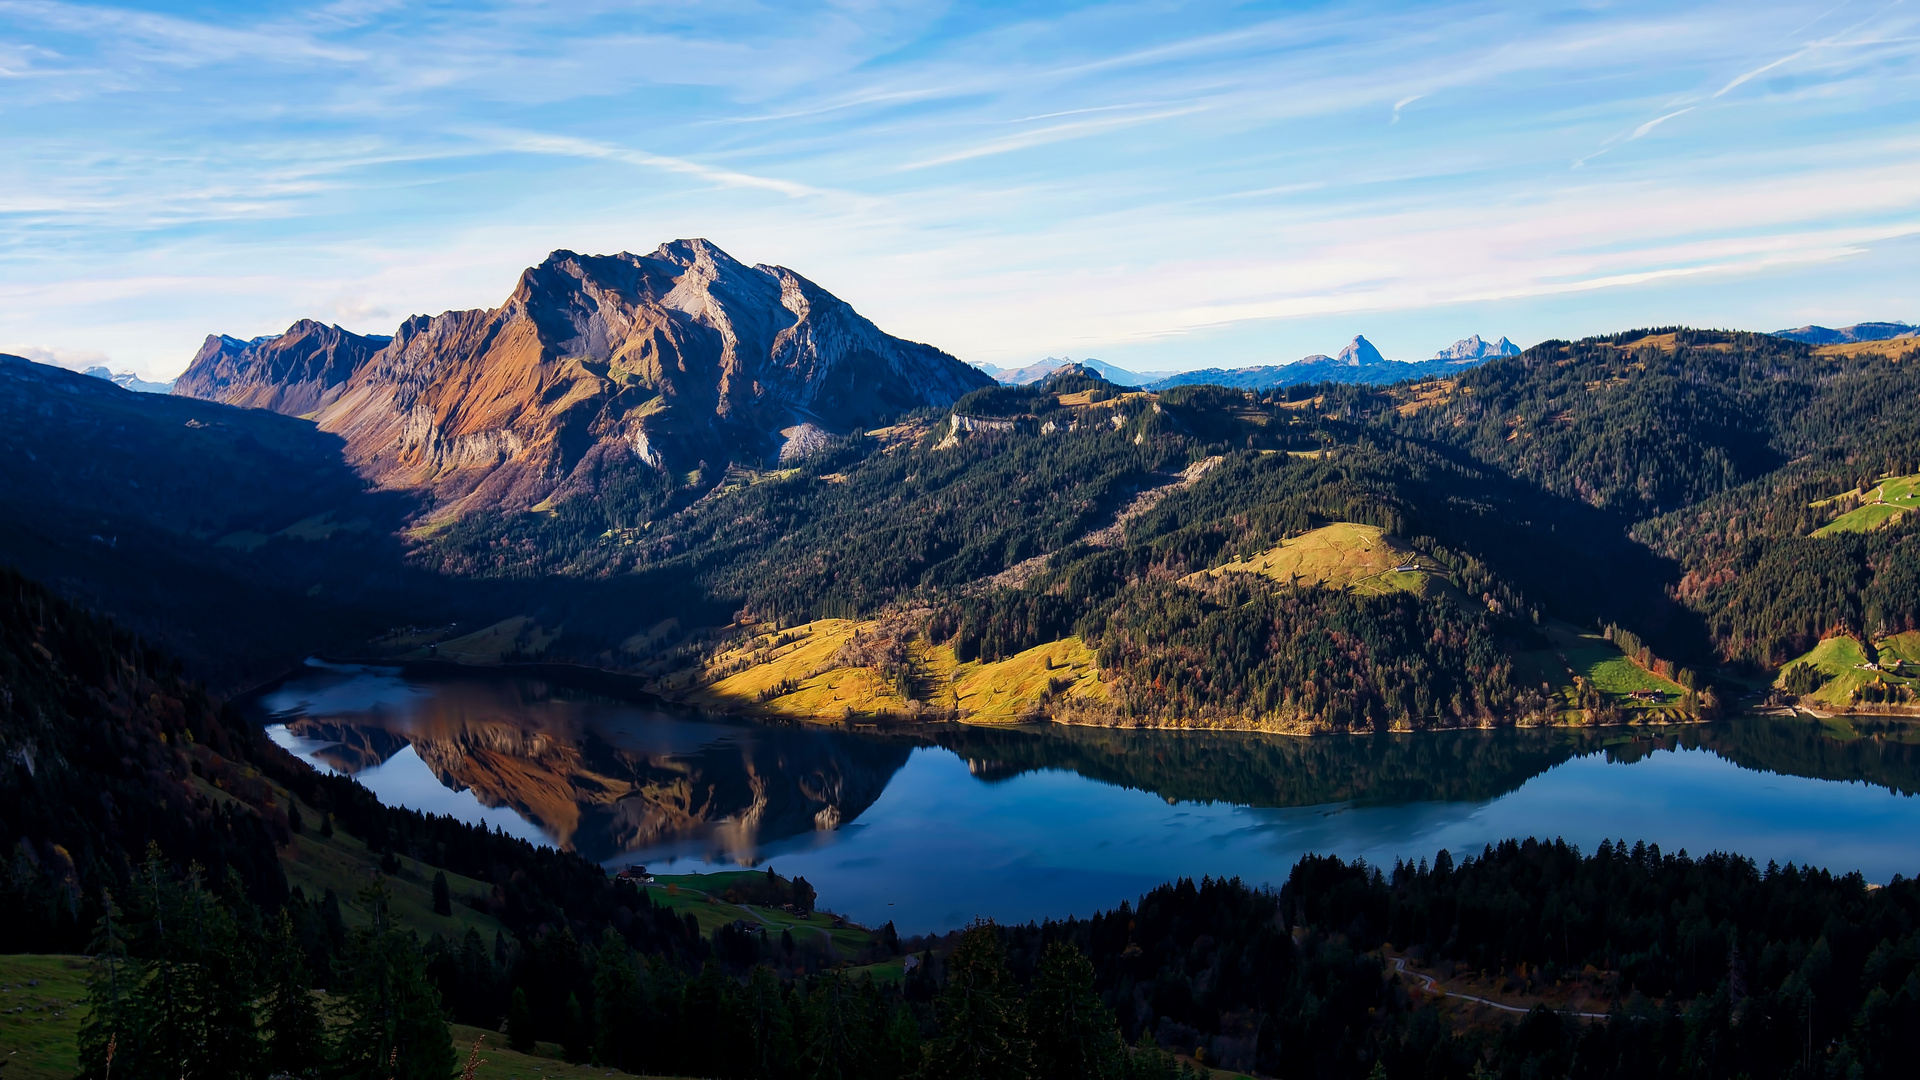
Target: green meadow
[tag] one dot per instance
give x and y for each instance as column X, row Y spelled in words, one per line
column 1892, row 498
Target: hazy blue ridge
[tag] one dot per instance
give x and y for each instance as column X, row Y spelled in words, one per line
column 1845, row 335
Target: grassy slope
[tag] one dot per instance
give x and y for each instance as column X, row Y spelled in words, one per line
column 1006, row 690
column 502, row 1063
column 40, row 1036
column 1893, row 498
column 1572, row 651
column 1342, row 554
column 994, row 692
column 699, row 895
column 489, row 644
column 1840, row 658
column 37, row 1041
column 343, row 864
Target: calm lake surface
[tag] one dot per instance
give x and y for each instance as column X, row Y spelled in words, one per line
column 934, row 827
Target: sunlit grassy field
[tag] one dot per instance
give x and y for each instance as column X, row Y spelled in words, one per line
column 1573, row 651
column 1840, row 658
column 1360, row 557
column 1893, row 497
column 800, row 679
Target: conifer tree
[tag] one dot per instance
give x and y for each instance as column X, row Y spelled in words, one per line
column 520, row 1022
column 442, row 895
column 181, row 1001
column 982, row 1028
column 109, row 985
column 1073, row 1031
column 620, row 1021
column 576, row 1041
column 771, row 1024
column 294, row 1036
column 390, row 1023
column 838, row 1036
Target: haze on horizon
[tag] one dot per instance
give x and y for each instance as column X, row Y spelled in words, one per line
column 1159, row 185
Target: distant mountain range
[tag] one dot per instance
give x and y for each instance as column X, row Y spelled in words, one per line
column 127, row 380
column 1358, row 362
column 1040, row 369
column 1847, row 335
column 642, row 374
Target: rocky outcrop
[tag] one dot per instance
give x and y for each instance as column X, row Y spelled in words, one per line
column 679, row 361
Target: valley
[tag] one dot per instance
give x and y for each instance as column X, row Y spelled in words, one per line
column 1020, row 653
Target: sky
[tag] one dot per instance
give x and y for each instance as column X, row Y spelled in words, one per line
column 1158, row 185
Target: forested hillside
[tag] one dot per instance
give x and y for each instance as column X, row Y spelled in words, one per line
column 1635, row 527
column 1667, row 483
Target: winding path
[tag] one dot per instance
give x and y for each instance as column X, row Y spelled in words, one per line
column 1400, row 965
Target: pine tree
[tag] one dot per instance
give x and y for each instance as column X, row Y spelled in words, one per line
column 109, row 985
column 771, row 1024
column 390, row 1023
column 982, row 1031
column 176, row 990
column 442, row 896
column 576, row 1040
column 620, row 1020
column 294, row 1035
column 520, row 1022
column 838, row 1036
column 895, row 1032
column 712, row 1021
column 1073, row 1031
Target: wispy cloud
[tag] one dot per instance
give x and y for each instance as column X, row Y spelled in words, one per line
column 1003, row 183
column 568, row 146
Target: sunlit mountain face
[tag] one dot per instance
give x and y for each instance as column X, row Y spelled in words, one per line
column 592, row 774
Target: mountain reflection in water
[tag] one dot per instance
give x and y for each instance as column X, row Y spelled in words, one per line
column 937, row 824
column 595, row 774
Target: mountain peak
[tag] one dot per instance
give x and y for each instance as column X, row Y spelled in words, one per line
column 597, row 370
column 1477, row 348
column 1359, row 353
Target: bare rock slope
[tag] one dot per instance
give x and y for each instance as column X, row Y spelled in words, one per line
column 680, row 361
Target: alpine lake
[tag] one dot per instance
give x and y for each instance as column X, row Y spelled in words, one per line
column 932, row 826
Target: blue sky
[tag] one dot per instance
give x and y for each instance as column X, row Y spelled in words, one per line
column 1160, row 185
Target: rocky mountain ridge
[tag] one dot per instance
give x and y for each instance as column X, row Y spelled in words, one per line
column 1847, row 335
column 1477, row 348
column 607, row 372
column 1359, row 362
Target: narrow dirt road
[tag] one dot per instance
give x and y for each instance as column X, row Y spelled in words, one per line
column 1432, row 987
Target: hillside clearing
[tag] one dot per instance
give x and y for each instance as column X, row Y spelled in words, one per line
column 1342, row 555
column 1842, row 659
column 491, row 645
column 799, row 673
column 1006, row 691
column 1572, row 652
column 1891, row 499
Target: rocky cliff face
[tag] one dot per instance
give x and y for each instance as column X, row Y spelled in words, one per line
column 297, row 373
column 680, row 361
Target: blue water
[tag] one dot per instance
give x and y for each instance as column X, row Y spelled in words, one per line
column 940, row 847
column 931, row 836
